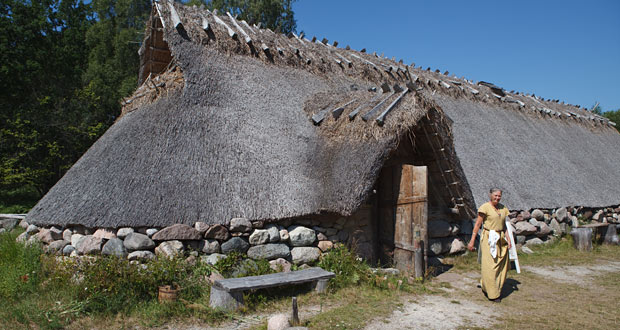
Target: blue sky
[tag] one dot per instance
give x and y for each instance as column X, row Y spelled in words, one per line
column 567, row 50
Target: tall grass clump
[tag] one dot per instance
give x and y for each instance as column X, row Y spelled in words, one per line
column 19, row 267
column 348, row 267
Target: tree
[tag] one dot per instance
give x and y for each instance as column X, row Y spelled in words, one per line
column 274, row 14
column 65, row 65
column 42, row 60
column 613, row 116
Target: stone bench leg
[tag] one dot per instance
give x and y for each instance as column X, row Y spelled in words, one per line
column 320, row 286
column 222, row 299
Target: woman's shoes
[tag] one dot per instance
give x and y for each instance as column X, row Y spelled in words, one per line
column 496, row 300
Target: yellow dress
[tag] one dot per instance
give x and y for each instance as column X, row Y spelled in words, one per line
column 493, row 270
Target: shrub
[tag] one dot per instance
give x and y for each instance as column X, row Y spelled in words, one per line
column 238, row 265
column 348, row 267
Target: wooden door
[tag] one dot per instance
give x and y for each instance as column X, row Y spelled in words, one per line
column 402, row 212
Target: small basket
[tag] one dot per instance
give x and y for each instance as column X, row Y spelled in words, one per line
column 168, row 293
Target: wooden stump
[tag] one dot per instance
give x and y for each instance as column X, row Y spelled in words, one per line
column 222, row 299
column 582, row 238
column 320, row 286
column 611, row 236
column 295, row 314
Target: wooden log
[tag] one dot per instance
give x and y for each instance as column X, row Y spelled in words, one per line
column 611, row 235
column 381, row 119
column 247, row 38
column 582, row 238
column 295, row 313
column 320, row 286
column 174, row 16
column 376, row 108
column 205, row 24
column 349, row 63
column 338, row 111
column 224, row 300
column 161, row 17
column 354, row 113
column 231, row 32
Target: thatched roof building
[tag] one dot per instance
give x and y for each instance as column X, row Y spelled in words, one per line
column 232, row 120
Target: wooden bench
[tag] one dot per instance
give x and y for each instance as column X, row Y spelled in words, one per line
column 228, row 293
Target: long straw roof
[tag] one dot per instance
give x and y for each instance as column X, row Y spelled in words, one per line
column 268, row 126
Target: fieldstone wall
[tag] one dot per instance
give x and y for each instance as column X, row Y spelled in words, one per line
column 448, row 236
column 297, row 241
column 539, row 226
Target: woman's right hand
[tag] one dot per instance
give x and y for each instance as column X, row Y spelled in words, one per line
column 470, row 246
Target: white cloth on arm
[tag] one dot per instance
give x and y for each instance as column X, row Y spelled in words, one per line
column 493, row 238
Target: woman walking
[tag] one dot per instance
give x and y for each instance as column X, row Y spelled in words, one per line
column 494, row 245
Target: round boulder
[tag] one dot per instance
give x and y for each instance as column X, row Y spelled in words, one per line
column 269, row 251
column 114, row 247
column 218, row 232
column 56, row 246
column 123, row 232
column 235, row 244
column 137, row 241
column 259, row 236
column 170, row 249
column 305, row 254
column 543, row 230
column 209, row 246
column 89, row 245
column 301, row 236
column 561, row 214
column 242, row 225
column 524, row 228
column 274, row 233
column 538, row 215
column 179, row 232
column 141, row 255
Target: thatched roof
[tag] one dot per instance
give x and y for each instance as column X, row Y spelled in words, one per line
column 262, row 125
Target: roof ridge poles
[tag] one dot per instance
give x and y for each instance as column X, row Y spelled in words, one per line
column 161, row 17
column 354, row 113
column 365, row 60
column 219, row 21
column 338, row 111
column 174, row 16
column 378, row 106
column 381, row 119
column 247, row 38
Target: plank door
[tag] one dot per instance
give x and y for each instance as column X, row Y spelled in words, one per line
column 402, row 211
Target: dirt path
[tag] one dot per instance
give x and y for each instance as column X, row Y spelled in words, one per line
column 462, row 304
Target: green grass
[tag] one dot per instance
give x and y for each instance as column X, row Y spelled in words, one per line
column 50, row 292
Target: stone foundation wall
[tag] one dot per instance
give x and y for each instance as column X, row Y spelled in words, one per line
column 299, row 241
column 539, row 226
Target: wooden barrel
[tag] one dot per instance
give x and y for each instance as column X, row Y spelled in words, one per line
column 168, row 293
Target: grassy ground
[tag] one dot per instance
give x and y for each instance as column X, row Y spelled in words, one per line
column 591, row 299
column 38, row 291
column 42, row 291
